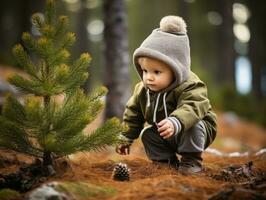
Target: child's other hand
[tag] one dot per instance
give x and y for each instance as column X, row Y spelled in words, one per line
column 166, row 128
column 123, row 149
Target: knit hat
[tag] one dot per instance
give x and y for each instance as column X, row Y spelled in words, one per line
column 169, row 44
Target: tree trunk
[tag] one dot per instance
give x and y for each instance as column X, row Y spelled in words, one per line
column 47, row 155
column 116, row 66
column 257, row 48
column 226, row 53
column 15, row 18
column 184, row 10
column 47, row 158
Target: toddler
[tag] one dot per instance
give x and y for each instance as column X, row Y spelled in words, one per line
column 171, row 101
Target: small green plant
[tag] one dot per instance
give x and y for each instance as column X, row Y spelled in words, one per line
column 82, row 190
column 9, row 194
column 40, row 125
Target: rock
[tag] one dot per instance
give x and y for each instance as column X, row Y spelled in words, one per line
column 65, row 190
column 47, row 192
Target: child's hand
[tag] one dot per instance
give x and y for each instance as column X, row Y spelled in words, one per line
column 166, row 128
column 123, row 149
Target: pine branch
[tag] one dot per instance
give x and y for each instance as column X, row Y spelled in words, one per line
column 62, row 56
column 100, row 139
column 25, row 86
column 107, row 135
column 50, row 14
column 27, row 117
column 12, row 137
column 74, row 108
column 68, row 40
column 38, row 88
column 98, row 94
column 13, row 110
column 34, row 114
column 77, row 73
column 28, row 41
column 77, row 111
column 61, row 27
column 24, row 60
column 45, row 49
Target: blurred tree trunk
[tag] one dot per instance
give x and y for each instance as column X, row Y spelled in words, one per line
column 257, row 48
column 226, row 53
column 183, row 10
column 116, row 57
column 82, row 44
column 15, row 18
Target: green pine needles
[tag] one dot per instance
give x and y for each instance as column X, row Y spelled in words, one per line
column 40, row 125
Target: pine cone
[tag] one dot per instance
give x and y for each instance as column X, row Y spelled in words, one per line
column 121, row 172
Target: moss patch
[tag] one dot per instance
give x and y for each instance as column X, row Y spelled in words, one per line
column 8, row 194
column 82, row 190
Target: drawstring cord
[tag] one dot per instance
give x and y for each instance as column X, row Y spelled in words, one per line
column 156, row 104
column 148, row 98
column 164, row 105
column 176, row 123
column 156, row 107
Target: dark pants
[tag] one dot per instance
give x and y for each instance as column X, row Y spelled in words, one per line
column 157, row 148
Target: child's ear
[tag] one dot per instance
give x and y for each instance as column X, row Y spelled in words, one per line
column 141, row 60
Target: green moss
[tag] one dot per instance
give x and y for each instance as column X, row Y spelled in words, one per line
column 82, row 190
column 8, row 194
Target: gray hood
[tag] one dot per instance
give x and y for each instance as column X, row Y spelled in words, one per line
column 170, row 48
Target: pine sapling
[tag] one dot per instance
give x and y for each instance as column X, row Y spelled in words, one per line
column 40, row 125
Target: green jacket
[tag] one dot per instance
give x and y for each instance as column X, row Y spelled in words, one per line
column 188, row 103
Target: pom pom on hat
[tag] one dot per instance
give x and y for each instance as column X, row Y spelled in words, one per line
column 173, row 24
column 169, row 44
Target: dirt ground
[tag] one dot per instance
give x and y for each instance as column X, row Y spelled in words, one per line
column 224, row 177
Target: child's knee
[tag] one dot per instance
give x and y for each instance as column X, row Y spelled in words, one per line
column 196, row 132
column 193, row 140
column 197, row 129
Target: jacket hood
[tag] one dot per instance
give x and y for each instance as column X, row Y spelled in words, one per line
column 170, row 48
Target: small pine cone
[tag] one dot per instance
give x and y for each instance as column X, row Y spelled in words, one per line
column 121, row 172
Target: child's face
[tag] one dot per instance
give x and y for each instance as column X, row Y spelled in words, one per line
column 156, row 74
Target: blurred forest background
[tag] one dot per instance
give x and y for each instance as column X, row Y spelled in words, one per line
column 227, row 38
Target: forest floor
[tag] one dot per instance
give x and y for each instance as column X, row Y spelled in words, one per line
column 226, row 175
